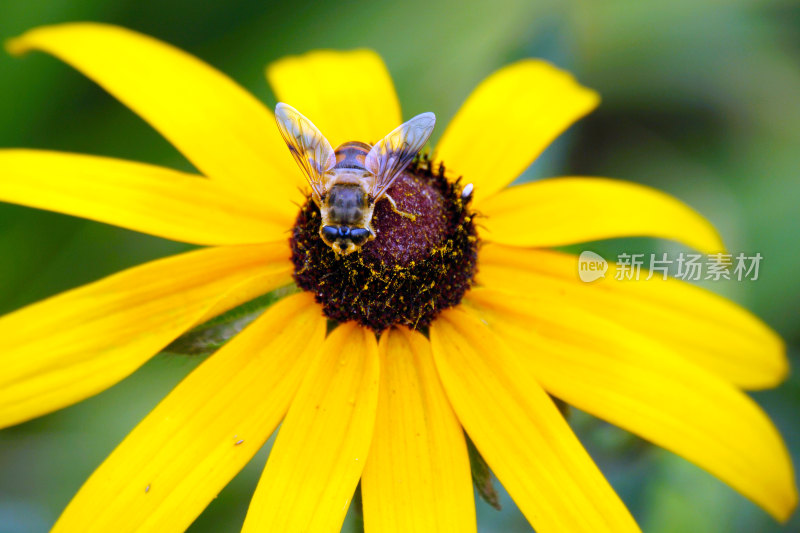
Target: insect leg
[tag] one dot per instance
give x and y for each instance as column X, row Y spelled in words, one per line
column 409, row 216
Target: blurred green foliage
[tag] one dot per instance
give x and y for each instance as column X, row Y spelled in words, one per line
column 701, row 99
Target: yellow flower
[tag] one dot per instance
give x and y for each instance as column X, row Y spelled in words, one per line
column 662, row 359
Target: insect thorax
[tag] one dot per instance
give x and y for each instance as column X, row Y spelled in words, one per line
column 346, row 204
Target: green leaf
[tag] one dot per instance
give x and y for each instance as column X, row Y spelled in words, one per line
column 563, row 407
column 482, row 476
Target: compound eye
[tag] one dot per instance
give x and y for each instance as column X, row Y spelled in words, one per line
column 344, row 231
column 330, row 233
column 359, row 235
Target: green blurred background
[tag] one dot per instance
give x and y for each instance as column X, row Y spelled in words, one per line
column 700, row 98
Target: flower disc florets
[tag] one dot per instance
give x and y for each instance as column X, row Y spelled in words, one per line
column 410, row 272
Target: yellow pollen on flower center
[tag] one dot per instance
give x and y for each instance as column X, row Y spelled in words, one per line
column 410, row 272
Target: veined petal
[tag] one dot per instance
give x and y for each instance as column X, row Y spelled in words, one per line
column 71, row 346
column 560, row 211
column 278, row 275
column 136, row 196
column 322, row 446
column 616, row 374
column 184, row 452
column 349, row 96
column 417, row 476
column 697, row 324
column 220, row 127
column 521, row 433
column 508, row 120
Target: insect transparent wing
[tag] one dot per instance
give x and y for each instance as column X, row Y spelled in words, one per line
column 388, row 158
column 308, row 146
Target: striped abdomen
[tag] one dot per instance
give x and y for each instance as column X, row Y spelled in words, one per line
column 351, row 155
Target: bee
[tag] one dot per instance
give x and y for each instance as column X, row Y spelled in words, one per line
column 346, row 183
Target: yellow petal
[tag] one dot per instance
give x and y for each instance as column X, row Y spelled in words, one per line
column 417, row 476
column 508, row 120
column 520, row 432
column 279, row 275
column 140, row 197
column 322, row 446
column 349, row 96
column 71, row 346
column 220, row 127
column 698, row 325
column 621, row 376
column 560, row 211
column 181, row 455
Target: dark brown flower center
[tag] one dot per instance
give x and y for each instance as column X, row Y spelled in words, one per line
column 410, row 272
